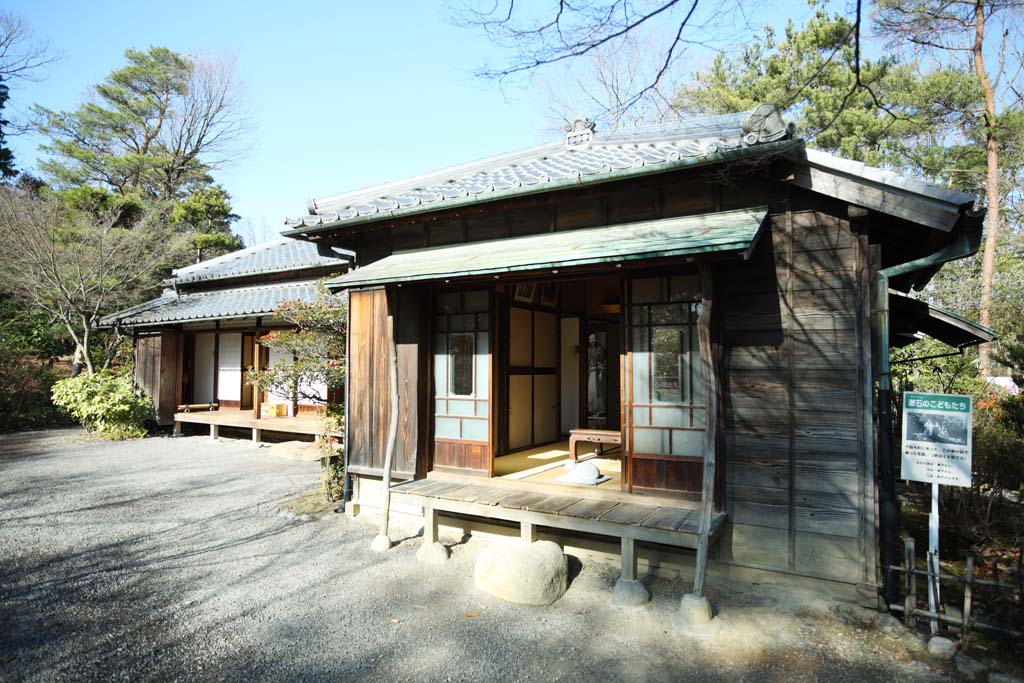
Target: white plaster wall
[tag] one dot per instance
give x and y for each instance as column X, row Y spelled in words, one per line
column 229, row 374
column 204, row 368
column 279, row 358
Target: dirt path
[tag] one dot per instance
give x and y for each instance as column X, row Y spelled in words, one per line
column 165, row 559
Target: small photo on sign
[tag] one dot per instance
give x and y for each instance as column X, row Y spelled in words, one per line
column 947, row 429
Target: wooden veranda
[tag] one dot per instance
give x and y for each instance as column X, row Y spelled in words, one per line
column 582, row 509
column 307, row 424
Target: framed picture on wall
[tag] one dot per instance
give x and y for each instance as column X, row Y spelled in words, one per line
column 549, row 294
column 525, row 293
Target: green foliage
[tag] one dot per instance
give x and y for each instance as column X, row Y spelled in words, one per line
column 333, row 475
column 148, row 141
column 318, row 344
column 206, row 215
column 117, row 139
column 27, row 331
column 106, row 403
column 7, row 169
column 897, row 116
column 25, row 385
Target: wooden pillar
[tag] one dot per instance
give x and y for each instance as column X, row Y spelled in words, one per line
column 709, row 373
column 528, row 532
column 629, row 560
column 216, row 362
column 257, row 395
column 177, row 428
column 257, row 435
column 429, row 525
column 179, row 370
column 214, row 432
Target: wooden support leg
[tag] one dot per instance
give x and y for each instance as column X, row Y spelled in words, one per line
column 177, row 428
column 629, row 560
column 214, row 432
column 572, row 448
column 257, row 435
column 429, row 525
column 528, row 532
column 431, row 552
column 629, row 591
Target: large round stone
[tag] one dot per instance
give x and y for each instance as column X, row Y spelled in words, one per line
column 526, row 574
column 941, row 647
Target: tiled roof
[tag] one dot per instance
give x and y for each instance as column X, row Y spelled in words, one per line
column 211, row 305
column 283, row 254
column 584, row 156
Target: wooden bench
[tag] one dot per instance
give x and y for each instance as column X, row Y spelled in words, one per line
column 189, row 407
column 595, row 436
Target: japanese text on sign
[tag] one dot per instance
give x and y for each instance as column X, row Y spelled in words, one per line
column 937, row 438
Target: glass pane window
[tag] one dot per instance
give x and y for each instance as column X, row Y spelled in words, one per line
column 665, row 366
column 460, row 354
column 668, row 366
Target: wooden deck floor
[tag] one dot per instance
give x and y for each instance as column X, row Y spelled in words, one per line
column 300, row 424
column 603, row 513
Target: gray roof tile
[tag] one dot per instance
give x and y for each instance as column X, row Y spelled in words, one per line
column 283, row 254
column 602, row 154
column 211, row 305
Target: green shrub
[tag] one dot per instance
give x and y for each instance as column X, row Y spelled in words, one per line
column 25, row 385
column 105, row 403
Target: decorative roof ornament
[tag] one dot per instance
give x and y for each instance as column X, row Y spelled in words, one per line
column 580, row 133
column 765, row 124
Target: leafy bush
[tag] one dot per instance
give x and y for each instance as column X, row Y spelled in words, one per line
column 106, row 403
column 25, row 385
column 333, row 475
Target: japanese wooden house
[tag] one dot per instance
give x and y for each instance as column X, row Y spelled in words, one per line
column 710, row 299
column 194, row 343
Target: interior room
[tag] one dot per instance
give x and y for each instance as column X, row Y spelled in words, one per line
column 560, row 371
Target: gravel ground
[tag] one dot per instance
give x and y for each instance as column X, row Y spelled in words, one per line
column 165, row 559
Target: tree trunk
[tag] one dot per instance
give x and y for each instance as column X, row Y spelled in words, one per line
column 988, row 266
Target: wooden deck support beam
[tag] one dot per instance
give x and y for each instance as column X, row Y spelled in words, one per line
column 214, row 432
column 257, row 435
column 177, row 428
column 528, row 532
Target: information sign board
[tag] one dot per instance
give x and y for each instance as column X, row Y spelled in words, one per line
column 937, row 438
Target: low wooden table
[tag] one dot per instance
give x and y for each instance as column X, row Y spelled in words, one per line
column 595, row 436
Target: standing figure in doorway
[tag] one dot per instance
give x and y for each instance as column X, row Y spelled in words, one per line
column 597, row 366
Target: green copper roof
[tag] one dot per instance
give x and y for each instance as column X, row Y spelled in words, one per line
column 913, row 318
column 725, row 231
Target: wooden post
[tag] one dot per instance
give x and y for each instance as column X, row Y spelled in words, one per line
column 968, row 598
column 708, row 372
column 910, row 594
column 528, row 532
column 383, row 541
column 629, row 560
column 256, row 393
column 257, row 435
column 429, row 525
column 177, row 428
column 214, row 432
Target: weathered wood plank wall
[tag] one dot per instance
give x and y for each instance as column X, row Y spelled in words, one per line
column 369, row 376
column 793, row 328
column 156, row 357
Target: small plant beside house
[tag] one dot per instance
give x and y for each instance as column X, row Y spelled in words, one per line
column 317, row 372
column 105, row 403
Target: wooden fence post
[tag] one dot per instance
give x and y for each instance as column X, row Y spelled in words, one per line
column 968, row 597
column 910, row 594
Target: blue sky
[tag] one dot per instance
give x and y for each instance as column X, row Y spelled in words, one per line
column 344, row 94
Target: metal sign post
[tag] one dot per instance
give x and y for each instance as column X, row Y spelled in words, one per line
column 936, row 449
